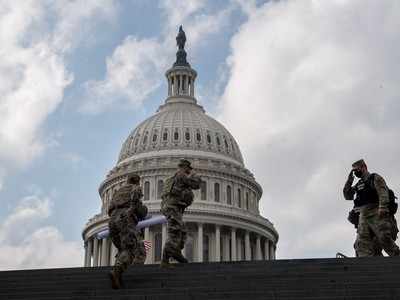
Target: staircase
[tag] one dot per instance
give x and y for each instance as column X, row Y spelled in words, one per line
column 346, row 278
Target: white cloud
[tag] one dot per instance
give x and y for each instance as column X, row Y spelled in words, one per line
column 312, row 88
column 25, row 243
column 35, row 36
column 136, row 67
column 130, row 75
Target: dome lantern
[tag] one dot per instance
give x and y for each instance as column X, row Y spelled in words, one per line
column 181, row 76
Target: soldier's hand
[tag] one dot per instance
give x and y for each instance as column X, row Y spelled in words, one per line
column 351, row 176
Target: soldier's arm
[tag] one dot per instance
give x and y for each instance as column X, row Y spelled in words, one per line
column 193, row 181
column 382, row 190
column 348, row 190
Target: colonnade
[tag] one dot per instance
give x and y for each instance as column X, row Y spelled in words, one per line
column 224, row 244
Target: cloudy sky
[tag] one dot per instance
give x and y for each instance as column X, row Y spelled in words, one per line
column 306, row 87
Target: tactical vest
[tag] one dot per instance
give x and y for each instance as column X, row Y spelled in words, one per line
column 366, row 192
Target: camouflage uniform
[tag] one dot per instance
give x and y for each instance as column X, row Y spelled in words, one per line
column 374, row 231
column 126, row 210
column 173, row 206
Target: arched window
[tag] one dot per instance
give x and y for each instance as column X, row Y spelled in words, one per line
column 247, row 200
column 203, row 190
column 176, row 135
column 157, row 246
column 208, row 138
column 160, row 186
column 216, row 192
column 229, row 195
column 146, row 191
column 154, row 137
column 187, row 135
column 165, row 136
column 218, row 141
column 239, row 198
column 198, row 136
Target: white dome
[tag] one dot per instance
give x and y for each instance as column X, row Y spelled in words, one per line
column 181, row 125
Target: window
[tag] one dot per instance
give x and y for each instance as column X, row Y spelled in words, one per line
column 226, row 145
column 216, row 192
column 239, row 198
column 176, row 135
column 155, row 137
column 208, row 138
column 247, row 201
column 146, row 191
column 229, row 194
column 218, row 141
column 198, row 136
column 187, row 135
column 203, row 190
column 157, row 246
column 165, row 136
column 145, row 139
column 160, row 186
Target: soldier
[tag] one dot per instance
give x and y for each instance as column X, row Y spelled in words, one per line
column 376, row 223
column 125, row 211
column 177, row 195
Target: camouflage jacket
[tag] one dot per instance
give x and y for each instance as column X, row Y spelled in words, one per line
column 181, row 193
column 379, row 184
column 128, row 197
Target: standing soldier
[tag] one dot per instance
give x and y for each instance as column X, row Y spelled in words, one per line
column 126, row 210
column 376, row 216
column 177, row 195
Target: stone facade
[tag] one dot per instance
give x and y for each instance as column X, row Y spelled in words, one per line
column 224, row 221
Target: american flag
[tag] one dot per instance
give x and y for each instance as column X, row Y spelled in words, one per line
column 147, row 246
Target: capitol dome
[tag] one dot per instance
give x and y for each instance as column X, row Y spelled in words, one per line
column 224, row 222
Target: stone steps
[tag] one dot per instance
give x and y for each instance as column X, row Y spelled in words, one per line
column 369, row 278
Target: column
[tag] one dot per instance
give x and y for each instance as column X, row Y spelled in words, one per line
column 113, row 254
column 200, row 242
column 192, row 87
column 95, row 252
column 266, row 249
column 187, row 85
column 233, row 244
column 86, row 254
column 247, row 248
column 163, row 234
column 175, row 85
column 104, row 252
column 258, row 248
column 217, row 243
column 272, row 251
column 89, row 252
column 149, row 255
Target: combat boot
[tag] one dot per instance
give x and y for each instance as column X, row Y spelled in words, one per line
column 180, row 258
column 116, row 278
column 165, row 264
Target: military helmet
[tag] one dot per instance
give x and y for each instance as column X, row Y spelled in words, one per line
column 359, row 163
column 184, row 163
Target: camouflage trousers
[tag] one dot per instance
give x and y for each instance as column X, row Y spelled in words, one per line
column 375, row 233
column 127, row 239
column 176, row 230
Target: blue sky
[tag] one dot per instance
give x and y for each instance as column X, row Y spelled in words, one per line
column 306, row 87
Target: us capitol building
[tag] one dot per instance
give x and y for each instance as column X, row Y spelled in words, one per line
column 224, row 221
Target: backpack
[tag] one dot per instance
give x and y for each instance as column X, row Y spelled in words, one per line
column 393, row 205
